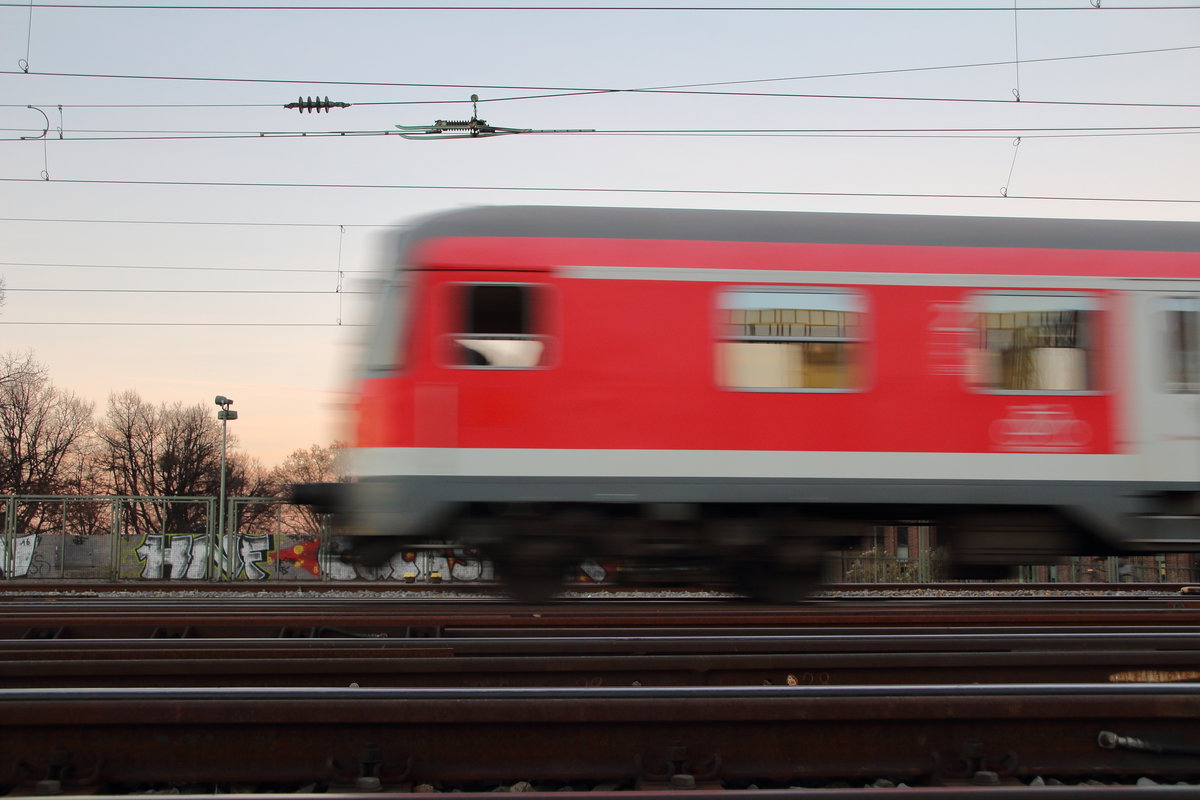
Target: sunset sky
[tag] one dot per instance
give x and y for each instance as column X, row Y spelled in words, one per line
column 165, row 228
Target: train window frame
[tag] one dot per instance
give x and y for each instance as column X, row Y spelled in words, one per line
column 387, row 338
column 851, row 300
column 537, row 318
column 978, row 355
column 1181, row 351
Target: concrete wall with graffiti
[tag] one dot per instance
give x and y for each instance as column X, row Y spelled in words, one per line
column 200, row 557
column 98, row 538
column 203, row 557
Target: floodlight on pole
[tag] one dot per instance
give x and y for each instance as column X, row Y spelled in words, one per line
column 224, row 415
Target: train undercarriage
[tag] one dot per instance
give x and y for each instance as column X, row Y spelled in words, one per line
column 770, row 552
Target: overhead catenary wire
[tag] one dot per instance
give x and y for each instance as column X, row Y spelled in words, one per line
column 143, row 324
column 1005, row 133
column 24, row 62
column 113, row 290
column 594, row 190
column 560, row 8
column 877, row 133
column 565, row 89
column 1016, row 51
column 323, row 271
column 584, row 92
column 230, row 223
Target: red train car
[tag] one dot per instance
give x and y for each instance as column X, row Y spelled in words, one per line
column 747, row 389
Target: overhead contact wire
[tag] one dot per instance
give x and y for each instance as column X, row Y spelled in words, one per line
column 599, row 190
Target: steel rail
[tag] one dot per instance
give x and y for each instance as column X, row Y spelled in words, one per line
column 941, row 641
column 580, row 591
column 432, row 668
column 1057, row 792
column 639, row 737
column 136, row 617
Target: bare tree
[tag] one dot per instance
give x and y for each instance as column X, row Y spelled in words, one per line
column 174, row 450
column 164, row 450
column 314, row 464
column 246, row 477
column 15, row 368
column 44, row 435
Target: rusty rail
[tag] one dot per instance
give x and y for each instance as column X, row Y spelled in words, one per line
column 139, row 617
column 355, row 695
column 636, row 737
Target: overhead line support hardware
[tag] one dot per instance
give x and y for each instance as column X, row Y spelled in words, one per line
column 317, row 104
column 472, row 128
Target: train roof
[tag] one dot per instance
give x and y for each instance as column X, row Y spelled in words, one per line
column 576, row 222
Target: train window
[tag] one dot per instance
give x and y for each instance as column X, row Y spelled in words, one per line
column 1034, row 342
column 498, row 326
column 780, row 339
column 1182, row 317
column 385, row 348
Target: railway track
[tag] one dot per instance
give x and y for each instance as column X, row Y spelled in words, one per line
column 113, row 695
column 588, row 659
column 139, row 616
column 707, row 737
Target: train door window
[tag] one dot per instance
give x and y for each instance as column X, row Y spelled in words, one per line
column 498, row 326
column 385, row 343
column 1182, row 318
column 790, row 339
column 1028, row 342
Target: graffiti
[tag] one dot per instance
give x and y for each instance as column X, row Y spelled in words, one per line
column 443, row 565
column 456, row 564
column 592, row 571
column 251, row 551
column 303, row 556
column 1042, row 428
column 187, row 556
column 182, row 556
column 243, row 557
column 21, row 555
column 459, row 564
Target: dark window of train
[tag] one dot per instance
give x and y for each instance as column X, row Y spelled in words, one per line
column 1182, row 317
column 775, row 339
column 497, row 309
column 497, row 326
column 1034, row 342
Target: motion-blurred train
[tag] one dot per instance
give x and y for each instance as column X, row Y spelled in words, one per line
column 746, row 390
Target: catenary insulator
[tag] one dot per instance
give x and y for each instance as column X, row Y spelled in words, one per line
column 317, row 104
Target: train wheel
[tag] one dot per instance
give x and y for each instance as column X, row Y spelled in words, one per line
column 772, row 583
column 534, row 568
column 788, row 572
